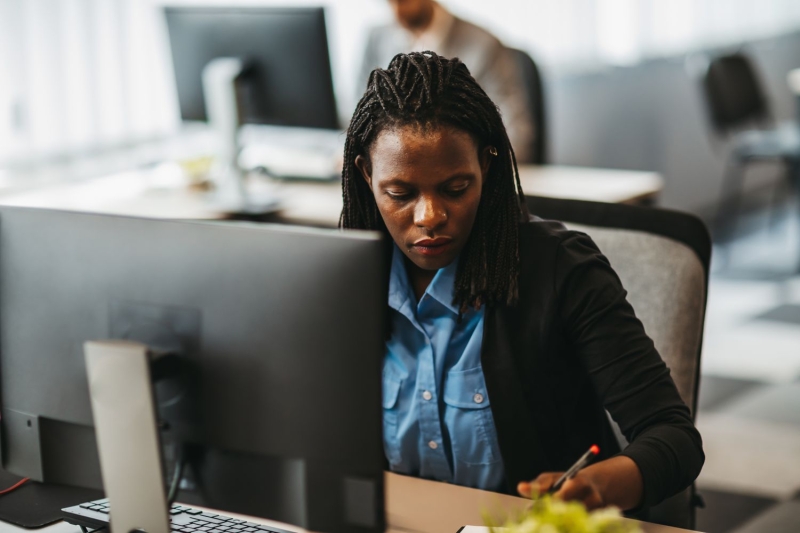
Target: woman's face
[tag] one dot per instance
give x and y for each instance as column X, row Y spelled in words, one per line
column 427, row 184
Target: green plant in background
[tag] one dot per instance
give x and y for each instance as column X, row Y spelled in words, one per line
column 551, row 515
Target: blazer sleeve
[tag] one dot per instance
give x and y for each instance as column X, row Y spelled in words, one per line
column 627, row 372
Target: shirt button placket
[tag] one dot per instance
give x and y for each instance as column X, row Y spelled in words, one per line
column 431, row 429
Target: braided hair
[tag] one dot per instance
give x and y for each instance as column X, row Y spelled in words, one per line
column 425, row 90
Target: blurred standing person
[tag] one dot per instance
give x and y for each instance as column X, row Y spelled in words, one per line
column 425, row 25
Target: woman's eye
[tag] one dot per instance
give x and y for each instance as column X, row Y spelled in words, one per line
column 398, row 195
column 455, row 192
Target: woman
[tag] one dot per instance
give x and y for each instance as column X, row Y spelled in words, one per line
column 510, row 336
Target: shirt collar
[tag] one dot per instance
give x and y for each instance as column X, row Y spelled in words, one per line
column 401, row 293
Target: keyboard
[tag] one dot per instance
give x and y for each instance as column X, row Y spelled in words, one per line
column 183, row 519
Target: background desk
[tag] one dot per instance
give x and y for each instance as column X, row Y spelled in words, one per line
column 143, row 193
column 413, row 506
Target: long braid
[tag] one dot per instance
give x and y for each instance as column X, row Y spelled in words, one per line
column 428, row 90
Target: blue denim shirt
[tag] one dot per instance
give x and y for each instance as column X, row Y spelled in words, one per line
column 437, row 423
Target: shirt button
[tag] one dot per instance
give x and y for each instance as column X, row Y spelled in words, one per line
column 432, row 445
column 478, row 398
column 427, row 395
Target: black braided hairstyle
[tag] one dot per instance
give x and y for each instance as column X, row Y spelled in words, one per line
column 426, row 90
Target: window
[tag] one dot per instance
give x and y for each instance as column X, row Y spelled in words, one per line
column 82, row 75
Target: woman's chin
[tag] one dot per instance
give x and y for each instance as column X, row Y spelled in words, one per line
column 432, row 262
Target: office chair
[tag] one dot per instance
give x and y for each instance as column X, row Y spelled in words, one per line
column 662, row 258
column 739, row 112
column 535, row 94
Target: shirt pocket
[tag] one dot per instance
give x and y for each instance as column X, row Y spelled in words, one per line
column 469, row 418
column 392, row 382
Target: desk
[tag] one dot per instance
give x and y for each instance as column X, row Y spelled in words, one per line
column 127, row 193
column 140, row 193
column 413, row 506
column 419, row 506
column 594, row 184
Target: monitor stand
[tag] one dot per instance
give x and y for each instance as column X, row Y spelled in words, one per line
column 219, row 92
column 124, row 411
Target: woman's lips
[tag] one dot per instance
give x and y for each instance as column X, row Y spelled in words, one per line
column 431, row 247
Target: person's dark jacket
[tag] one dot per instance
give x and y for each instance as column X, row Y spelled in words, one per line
column 570, row 348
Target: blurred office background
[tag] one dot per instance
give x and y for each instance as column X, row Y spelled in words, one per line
column 82, row 74
column 622, row 83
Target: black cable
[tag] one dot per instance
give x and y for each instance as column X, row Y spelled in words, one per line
column 177, row 476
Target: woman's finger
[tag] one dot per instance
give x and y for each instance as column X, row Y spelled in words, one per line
column 574, row 489
column 583, row 490
column 540, row 485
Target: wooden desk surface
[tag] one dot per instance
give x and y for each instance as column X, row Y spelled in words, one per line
column 419, row 506
column 412, row 506
column 127, row 193
column 595, row 184
column 136, row 193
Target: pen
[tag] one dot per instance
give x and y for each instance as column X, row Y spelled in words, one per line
column 585, row 459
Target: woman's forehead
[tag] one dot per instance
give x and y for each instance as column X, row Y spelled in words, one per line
column 423, row 132
column 423, row 148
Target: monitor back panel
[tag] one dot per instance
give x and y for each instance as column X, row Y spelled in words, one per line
column 285, row 327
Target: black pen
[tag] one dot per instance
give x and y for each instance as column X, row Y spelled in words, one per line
column 580, row 463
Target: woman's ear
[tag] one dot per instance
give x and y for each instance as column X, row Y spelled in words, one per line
column 488, row 153
column 365, row 168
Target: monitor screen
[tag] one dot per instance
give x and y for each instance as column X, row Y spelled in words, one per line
column 288, row 79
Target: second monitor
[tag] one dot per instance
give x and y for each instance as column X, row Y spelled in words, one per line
column 289, row 81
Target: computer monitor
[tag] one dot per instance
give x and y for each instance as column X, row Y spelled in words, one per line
column 285, row 327
column 289, row 81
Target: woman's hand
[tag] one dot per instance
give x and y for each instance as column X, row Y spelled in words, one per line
column 580, row 488
column 616, row 481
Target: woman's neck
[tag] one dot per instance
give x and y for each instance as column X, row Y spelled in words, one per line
column 419, row 278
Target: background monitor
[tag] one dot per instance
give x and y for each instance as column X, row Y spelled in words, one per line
column 284, row 327
column 289, row 82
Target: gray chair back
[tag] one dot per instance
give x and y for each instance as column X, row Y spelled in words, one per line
column 662, row 258
column 734, row 94
column 666, row 284
column 534, row 88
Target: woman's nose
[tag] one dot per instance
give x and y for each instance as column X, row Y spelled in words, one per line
column 429, row 214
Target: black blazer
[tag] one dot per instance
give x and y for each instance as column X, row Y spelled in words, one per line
column 570, row 348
